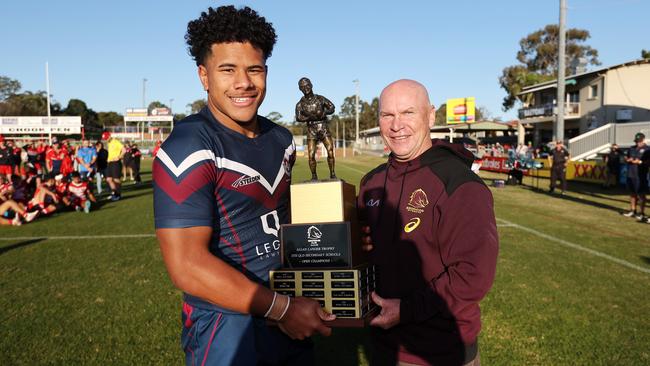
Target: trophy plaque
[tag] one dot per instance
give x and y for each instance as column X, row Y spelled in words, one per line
column 321, row 253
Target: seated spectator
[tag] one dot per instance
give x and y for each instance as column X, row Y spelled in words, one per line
column 79, row 194
column 11, row 207
column 45, row 199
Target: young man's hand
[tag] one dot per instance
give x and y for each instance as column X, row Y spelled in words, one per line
column 304, row 318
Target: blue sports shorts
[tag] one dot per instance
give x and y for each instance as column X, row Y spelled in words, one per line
column 214, row 337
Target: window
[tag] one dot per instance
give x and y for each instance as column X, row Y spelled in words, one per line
column 593, row 91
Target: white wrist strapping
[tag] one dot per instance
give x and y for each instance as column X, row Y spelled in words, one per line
column 286, row 308
column 275, row 295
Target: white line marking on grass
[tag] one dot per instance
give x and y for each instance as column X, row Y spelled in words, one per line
column 80, row 237
column 576, row 246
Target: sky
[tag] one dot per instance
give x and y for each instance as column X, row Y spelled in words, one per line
column 100, row 52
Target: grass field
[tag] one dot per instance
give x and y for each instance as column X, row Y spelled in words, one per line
column 572, row 284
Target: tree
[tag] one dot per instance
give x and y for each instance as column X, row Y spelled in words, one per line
column 368, row 114
column 28, row 104
column 179, row 116
column 441, row 115
column 8, row 87
column 645, row 54
column 109, row 119
column 538, row 57
column 482, row 114
column 77, row 107
column 155, row 104
column 197, row 105
column 275, row 117
column 296, row 129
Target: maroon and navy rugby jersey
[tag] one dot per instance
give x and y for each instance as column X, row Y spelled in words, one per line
column 208, row 175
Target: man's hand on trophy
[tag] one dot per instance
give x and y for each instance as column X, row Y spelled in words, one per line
column 366, row 240
column 389, row 315
column 305, row 317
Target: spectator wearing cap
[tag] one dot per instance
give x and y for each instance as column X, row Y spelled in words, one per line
column 559, row 161
column 5, row 158
column 637, row 159
column 116, row 152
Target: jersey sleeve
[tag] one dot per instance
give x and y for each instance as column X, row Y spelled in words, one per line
column 184, row 179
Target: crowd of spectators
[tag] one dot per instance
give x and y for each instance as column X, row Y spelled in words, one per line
column 38, row 179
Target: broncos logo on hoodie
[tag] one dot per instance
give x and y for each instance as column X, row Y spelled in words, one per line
column 417, row 201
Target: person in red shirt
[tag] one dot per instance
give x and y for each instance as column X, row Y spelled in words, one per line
column 61, row 189
column 67, row 165
column 11, row 200
column 79, row 193
column 6, row 188
column 45, row 198
column 54, row 157
column 40, row 157
column 156, row 148
column 19, row 213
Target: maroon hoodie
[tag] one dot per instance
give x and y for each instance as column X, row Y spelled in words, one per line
column 435, row 248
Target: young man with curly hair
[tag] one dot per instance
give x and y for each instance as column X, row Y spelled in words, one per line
column 221, row 184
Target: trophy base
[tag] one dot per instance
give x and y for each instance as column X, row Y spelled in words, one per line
column 342, row 292
column 354, row 322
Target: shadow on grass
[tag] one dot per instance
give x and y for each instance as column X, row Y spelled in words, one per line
column 645, row 259
column 586, row 189
column 128, row 192
column 346, row 346
column 21, row 244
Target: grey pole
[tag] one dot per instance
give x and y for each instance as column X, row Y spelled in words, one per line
column 338, row 142
column 343, row 138
column 144, row 88
column 356, row 107
column 47, row 86
column 559, row 126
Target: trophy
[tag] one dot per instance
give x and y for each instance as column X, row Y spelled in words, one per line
column 321, row 253
column 321, row 250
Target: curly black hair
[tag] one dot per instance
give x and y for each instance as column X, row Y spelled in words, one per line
column 227, row 24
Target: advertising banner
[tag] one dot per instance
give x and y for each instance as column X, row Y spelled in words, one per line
column 580, row 171
column 40, row 124
column 461, row 110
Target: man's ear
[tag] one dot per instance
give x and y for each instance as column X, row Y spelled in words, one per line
column 432, row 116
column 203, row 76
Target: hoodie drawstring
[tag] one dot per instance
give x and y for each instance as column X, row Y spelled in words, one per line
column 399, row 200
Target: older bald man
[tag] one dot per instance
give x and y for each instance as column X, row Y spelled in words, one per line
column 433, row 238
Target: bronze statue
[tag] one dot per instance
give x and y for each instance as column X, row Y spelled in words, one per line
column 313, row 109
